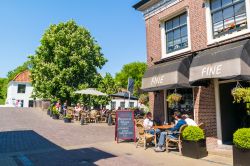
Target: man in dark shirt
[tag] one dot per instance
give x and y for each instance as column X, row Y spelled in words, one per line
column 163, row 135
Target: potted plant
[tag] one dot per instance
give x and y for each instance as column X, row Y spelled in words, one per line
column 241, row 148
column 67, row 118
column 55, row 113
column 173, row 98
column 194, row 142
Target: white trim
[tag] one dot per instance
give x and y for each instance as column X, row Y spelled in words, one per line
column 210, row 39
column 218, row 111
column 157, row 9
column 165, row 106
column 164, row 53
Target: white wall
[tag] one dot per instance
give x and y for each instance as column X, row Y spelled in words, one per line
column 118, row 101
column 12, row 94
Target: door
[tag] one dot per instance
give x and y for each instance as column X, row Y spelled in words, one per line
column 232, row 114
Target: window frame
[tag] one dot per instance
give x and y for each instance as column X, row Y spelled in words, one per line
column 222, row 9
column 162, row 21
column 210, row 39
column 173, row 29
column 19, row 90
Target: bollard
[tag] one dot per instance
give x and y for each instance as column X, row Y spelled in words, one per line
column 110, row 121
column 82, row 121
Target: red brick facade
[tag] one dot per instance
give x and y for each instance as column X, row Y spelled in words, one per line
column 204, row 97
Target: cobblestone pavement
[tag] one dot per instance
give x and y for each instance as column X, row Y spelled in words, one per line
column 29, row 137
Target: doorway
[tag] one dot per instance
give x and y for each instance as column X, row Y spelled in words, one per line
column 233, row 115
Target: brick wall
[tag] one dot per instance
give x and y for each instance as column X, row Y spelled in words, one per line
column 156, row 104
column 204, row 108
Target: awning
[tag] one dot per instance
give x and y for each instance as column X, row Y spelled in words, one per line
column 169, row 75
column 230, row 61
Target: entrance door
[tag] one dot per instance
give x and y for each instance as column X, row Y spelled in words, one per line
column 232, row 114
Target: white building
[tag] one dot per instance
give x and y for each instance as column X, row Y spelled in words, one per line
column 20, row 90
column 121, row 100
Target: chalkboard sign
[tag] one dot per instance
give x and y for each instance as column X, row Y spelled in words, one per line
column 125, row 126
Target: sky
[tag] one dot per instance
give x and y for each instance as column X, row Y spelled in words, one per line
column 117, row 27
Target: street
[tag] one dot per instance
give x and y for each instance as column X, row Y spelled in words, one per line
column 29, row 137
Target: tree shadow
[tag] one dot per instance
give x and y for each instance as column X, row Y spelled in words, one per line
column 29, row 148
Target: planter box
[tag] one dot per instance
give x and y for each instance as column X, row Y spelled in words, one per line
column 67, row 120
column 194, row 149
column 241, row 157
column 55, row 116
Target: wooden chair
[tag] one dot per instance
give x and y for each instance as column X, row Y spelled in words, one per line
column 175, row 143
column 94, row 116
column 85, row 117
column 144, row 138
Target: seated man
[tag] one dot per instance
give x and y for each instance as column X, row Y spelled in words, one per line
column 148, row 124
column 189, row 121
column 163, row 135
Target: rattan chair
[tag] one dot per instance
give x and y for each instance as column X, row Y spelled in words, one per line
column 144, row 138
column 172, row 143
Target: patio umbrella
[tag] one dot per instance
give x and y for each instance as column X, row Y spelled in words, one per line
column 90, row 91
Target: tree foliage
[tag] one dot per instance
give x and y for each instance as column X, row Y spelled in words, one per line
column 108, row 86
column 66, row 60
column 133, row 70
column 3, row 89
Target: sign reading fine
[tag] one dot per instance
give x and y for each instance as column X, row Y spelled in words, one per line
column 125, row 126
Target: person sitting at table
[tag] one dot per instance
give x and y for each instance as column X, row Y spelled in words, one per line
column 148, row 124
column 189, row 121
column 163, row 135
column 77, row 111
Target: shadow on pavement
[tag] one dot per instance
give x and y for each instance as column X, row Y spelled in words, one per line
column 29, row 148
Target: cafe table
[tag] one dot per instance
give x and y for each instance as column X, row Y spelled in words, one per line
column 161, row 127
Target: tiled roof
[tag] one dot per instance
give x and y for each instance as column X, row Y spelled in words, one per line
column 23, row 77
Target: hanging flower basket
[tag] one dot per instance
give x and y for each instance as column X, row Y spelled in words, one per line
column 239, row 94
column 174, row 98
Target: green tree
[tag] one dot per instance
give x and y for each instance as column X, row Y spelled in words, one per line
column 3, row 90
column 66, row 60
column 133, row 70
column 108, row 86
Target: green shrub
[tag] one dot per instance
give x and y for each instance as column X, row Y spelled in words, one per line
column 241, row 138
column 193, row 133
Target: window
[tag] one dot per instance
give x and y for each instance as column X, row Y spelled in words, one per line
column 185, row 106
column 131, row 104
column 228, row 16
column 176, row 33
column 113, row 105
column 21, row 88
column 122, row 104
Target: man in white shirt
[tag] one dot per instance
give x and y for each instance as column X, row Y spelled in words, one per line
column 148, row 124
column 189, row 121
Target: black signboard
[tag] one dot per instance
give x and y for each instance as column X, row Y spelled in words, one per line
column 125, row 126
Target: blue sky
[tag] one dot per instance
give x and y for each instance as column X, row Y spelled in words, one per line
column 116, row 26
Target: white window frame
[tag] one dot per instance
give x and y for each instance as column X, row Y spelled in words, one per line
column 210, row 37
column 164, row 53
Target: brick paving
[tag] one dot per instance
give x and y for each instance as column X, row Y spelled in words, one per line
column 29, row 137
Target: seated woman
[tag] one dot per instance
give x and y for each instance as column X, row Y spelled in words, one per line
column 77, row 110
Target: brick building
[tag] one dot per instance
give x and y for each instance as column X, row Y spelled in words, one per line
column 200, row 49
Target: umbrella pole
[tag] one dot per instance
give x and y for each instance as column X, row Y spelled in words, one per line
column 89, row 102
